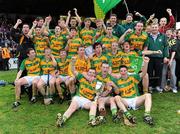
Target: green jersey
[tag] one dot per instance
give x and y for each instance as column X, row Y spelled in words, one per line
column 128, row 88
column 32, row 67
column 86, row 89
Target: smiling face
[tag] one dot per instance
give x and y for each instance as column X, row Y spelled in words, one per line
column 163, row 21
column 40, row 22
column 123, row 71
column 63, row 54
column 61, row 23
column 87, row 23
column 31, row 54
column 98, row 49
column 47, row 52
column 114, row 46
column 113, row 19
column 99, row 23
column 81, row 51
column 129, row 18
column 91, row 73
column 154, row 28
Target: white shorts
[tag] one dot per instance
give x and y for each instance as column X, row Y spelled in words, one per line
column 45, row 78
column 64, row 78
column 131, row 103
column 30, row 79
column 81, row 101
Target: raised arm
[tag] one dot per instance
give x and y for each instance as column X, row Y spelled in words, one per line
column 32, row 29
column 19, row 21
column 142, row 17
column 122, row 38
column 171, row 18
column 151, row 17
column 68, row 18
column 78, row 17
column 16, row 36
column 45, row 27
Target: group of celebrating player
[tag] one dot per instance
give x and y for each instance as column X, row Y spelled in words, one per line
column 93, row 63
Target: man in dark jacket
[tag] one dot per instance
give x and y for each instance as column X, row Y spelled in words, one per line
column 22, row 39
column 157, row 41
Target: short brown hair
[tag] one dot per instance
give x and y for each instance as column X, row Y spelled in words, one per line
column 28, row 50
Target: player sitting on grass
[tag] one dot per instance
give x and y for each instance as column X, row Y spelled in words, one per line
column 83, row 99
column 106, row 97
column 32, row 65
column 127, row 87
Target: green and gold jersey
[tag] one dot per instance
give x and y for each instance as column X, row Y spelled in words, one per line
column 47, row 66
column 56, row 44
column 65, row 32
column 40, row 43
column 63, row 66
column 87, row 36
column 96, row 62
column 125, row 59
column 107, row 41
column 86, row 89
column 99, row 32
column 104, row 80
column 116, row 61
column 128, row 88
column 81, row 65
column 32, row 67
column 137, row 41
column 73, row 45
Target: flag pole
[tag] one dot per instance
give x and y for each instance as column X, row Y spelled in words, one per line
column 125, row 3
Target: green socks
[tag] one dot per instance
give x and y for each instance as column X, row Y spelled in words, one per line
column 127, row 114
column 64, row 118
column 114, row 111
column 91, row 117
column 147, row 113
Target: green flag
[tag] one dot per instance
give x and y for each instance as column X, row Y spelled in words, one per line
column 101, row 7
column 136, row 63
